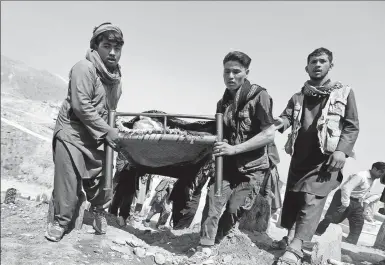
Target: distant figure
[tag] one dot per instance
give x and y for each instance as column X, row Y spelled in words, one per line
column 348, row 201
column 143, row 192
column 382, row 199
column 81, row 128
column 125, row 187
column 161, row 203
column 324, row 120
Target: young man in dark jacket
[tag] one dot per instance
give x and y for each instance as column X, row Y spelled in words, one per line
column 248, row 130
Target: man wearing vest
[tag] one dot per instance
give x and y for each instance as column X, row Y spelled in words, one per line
column 324, row 121
column 248, row 129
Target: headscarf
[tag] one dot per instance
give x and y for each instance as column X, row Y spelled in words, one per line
column 111, row 80
column 103, row 28
column 319, row 91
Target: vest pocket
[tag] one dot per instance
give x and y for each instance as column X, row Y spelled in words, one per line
column 333, row 133
column 337, row 107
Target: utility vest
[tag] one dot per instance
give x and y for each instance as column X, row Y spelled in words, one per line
column 246, row 128
column 329, row 124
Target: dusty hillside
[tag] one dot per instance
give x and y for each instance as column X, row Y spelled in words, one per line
column 27, row 82
column 30, row 100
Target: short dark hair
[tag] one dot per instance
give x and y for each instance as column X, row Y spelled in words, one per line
column 240, row 57
column 379, row 165
column 320, row 51
column 110, row 35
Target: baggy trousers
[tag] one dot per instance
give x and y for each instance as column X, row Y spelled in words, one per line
column 235, row 197
column 68, row 183
column 304, row 210
column 354, row 213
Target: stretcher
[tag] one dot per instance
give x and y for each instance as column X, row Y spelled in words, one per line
column 146, row 149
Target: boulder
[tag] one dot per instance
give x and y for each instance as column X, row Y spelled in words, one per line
column 380, row 239
column 327, row 246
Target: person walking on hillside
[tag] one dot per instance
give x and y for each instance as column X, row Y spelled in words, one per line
column 161, row 203
column 348, row 202
column 81, row 128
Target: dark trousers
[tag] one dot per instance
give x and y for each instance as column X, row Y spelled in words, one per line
column 124, row 194
column 164, row 214
column 354, row 213
column 183, row 212
column 236, row 198
column 68, row 184
column 304, row 210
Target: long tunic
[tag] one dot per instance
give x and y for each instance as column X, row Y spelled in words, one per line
column 307, row 172
column 82, row 120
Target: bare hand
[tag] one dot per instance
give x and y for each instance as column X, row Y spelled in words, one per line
column 336, row 161
column 278, row 123
column 112, row 139
column 223, row 149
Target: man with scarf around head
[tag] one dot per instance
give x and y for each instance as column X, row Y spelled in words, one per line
column 248, row 130
column 324, row 121
column 81, row 129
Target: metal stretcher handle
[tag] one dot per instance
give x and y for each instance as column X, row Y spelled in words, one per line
column 219, row 159
column 108, row 166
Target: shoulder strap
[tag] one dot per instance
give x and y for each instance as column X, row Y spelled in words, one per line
column 242, row 104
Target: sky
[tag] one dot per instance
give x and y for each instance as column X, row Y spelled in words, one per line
column 173, row 52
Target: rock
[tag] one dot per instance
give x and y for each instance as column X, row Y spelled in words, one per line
column 127, row 257
column 134, row 242
column 121, row 249
column 150, row 252
column 346, row 258
column 10, row 195
column 37, row 198
column 207, row 262
column 227, row 259
column 44, row 198
column 98, row 250
column 159, row 258
column 119, row 241
column 207, row 252
column 380, row 239
column 327, row 246
column 140, row 252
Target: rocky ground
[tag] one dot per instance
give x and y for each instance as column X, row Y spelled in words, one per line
column 22, row 242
